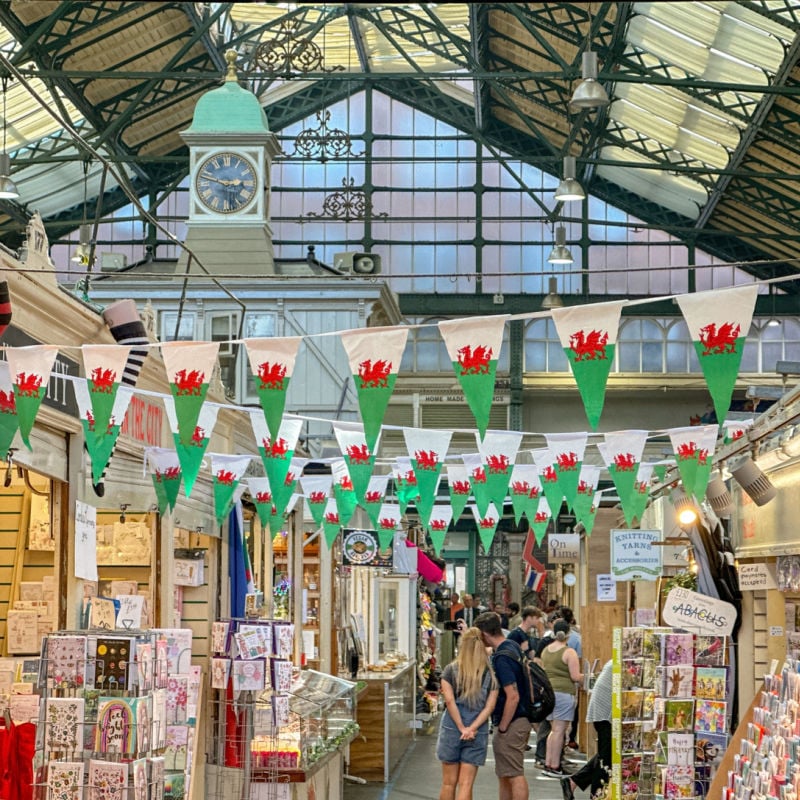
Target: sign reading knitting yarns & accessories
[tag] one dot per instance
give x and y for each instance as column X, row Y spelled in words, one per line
column 563, row 548
column 633, row 557
column 698, row 613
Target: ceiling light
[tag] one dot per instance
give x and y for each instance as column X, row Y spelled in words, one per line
column 553, row 298
column 569, row 188
column 684, row 506
column 81, row 254
column 590, row 92
column 8, row 189
column 560, row 253
column 757, row 485
column 718, row 496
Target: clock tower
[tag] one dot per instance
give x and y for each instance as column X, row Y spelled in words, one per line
column 230, row 154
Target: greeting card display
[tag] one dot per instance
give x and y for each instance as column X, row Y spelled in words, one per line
column 64, row 719
column 65, row 780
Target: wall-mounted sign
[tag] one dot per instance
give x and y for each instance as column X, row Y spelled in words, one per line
column 753, row 577
column 563, row 548
column 360, row 548
column 606, row 589
column 633, row 556
column 698, row 613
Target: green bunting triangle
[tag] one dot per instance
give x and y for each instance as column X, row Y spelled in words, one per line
column 487, row 525
column 161, row 493
column 459, row 488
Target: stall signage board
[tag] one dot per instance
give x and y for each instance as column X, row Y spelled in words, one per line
column 698, row 613
column 633, row 556
column 360, row 548
column 753, row 577
column 606, row 589
column 563, row 548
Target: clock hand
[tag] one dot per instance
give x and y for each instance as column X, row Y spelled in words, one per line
column 208, row 177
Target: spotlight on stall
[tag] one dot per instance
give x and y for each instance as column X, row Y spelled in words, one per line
column 758, row 486
column 685, row 506
column 718, row 496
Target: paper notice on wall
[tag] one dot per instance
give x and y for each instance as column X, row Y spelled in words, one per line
column 308, row 645
column 606, row 588
column 131, row 608
column 85, row 541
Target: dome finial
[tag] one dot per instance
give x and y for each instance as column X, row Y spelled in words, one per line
column 230, row 57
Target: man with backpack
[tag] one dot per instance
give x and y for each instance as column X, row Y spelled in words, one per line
column 509, row 718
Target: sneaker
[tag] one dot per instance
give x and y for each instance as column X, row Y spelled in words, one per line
column 552, row 772
column 573, row 745
column 538, row 763
column 566, row 789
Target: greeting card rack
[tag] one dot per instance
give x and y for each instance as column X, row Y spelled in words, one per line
column 670, row 718
column 117, row 715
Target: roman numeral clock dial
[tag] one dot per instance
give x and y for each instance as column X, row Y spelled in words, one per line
column 225, row 183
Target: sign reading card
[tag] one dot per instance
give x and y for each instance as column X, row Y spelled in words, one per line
column 633, row 556
column 563, row 548
column 699, row 613
column 85, row 541
column 754, row 577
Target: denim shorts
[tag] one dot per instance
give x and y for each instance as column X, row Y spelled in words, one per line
column 452, row 750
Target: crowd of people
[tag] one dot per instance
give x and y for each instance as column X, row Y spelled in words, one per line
column 485, row 691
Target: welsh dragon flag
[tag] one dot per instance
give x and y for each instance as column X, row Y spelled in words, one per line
column 640, row 495
column 498, row 453
column 375, row 497
column 588, row 335
column 591, row 514
column 405, row 483
column 189, row 366
column 427, row 450
column 476, row 472
column 440, row 519
column 525, row 489
column 271, row 365
column 694, row 448
column 542, row 519
column 487, row 525
column 191, row 455
column 316, row 490
column 166, row 476
column 374, row 355
column 278, row 518
column 732, row 430
column 567, row 450
column 548, row 477
column 346, row 501
column 474, row 347
column 277, row 454
column 622, row 453
column 389, row 519
column 459, row 487
column 358, row 456
column 330, row 522
column 587, row 486
column 100, row 441
column 718, row 323
column 30, row 373
column 9, row 421
column 261, row 495
column 661, row 468
column 103, row 365
column 227, row 471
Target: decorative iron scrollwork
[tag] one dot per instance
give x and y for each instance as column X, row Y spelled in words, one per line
column 287, row 54
column 323, row 142
column 347, row 205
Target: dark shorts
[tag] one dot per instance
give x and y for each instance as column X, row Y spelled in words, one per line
column 509, row 748
column 452, row 750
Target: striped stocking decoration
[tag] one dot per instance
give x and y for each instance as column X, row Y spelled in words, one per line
column 5, row 307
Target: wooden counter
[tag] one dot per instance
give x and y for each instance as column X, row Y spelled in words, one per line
column 385, row 714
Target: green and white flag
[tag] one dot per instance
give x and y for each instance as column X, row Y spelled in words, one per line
column 272, row 365
column 661, row 468
column 568, row 450
column 9, row 421
column 276, row 454
column 694, row 450
column 316, row 490
column 622, row 453
column 166, row 476
column 487, row 525
column 477, row 480
column 30, row 373
column 440, row 519
column 718, row 323
column 641, row 494
column 226, row 471
column 542, row 519
column 733, row 430
column 525, row 490
column 331, row 524
column 375, row 497
column 587, row 486
column 389, row 519
column 374, row 355
column 459, row 486
column 498, row 452
column 277, row 519
column 591, row 515
column 358, row 456
column 191, row 455
column 427, row 450
column 103, row 365
column 548, row 478
column 473, row 345
column 405, row 483
column 346, row 500
column 189, row 366
column 261, row 495
column 588, row 335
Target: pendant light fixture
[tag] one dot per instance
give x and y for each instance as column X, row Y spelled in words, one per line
column 83, row 250
column 553, row 298
column 590, row 92
column 560, row 253
column 773, row 321
column 8, row 189
column 569, row 189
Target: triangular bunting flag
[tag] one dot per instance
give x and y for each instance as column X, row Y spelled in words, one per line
column 622, row 453
column 567, row 450
column 733, row 430
column 440, row 519
column 330, row 521
column 226, row 471
column 641, row 494
column 276, row 454
column 191, row 454
column 283, row 498
column 459, row 487
column 166, row 474
column 587, row 486
column 487, row 525
column 718, row 323
column 277, row 519
column 694, row 447
column 542, row 520
column 477, row 480
column 591, row 515
column 316, row 490
column 525, row 489
column 374, row 355
column 103, row 366
column 548, row 477
column 588, row 335
column 271, row 365
column 389, row 520
column 9, row 421
column 661, row 468
column 358, row 456
column 405, row 483
column 161, row 493
column 189, row 366
column 346, row 501
column 427, row 450
column 473, row 345
column 498, row 453
column 30, row 373
column 375, row 497
column 261, row 495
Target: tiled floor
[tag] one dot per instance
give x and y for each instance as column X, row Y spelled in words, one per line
column 418, row 777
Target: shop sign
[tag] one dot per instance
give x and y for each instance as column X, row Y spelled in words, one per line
column 633, row 556
column 360, row 548
column 144, row 422
column 563, row 548
column 698, row 613
column 753, row 577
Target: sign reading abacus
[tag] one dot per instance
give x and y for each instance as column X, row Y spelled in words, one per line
column 698, row 613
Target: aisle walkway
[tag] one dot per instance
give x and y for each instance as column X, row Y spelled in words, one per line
column 418, row 777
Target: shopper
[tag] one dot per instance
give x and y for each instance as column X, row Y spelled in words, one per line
column 514, row 617
column 455, row 606
column 468, row 613
column 531, row 620
column 511, row 726
column 594, row 773
column 546, row 636
column 470, row 693
column 573, row 641
column 562, row 666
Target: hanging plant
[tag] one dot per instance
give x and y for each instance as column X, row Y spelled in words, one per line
column 682, row 580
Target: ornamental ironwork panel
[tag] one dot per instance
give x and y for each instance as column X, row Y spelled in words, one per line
column 289, row 53
column 347, row 205
column 323, row 142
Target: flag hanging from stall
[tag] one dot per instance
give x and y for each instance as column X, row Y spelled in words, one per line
column 226, row 471
column 358, row 455
column 427, row 450
column 440, row 518
column 30, row 373
column 191, row 454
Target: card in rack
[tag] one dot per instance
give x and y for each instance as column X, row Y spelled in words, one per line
column 107, row 780
column 65, row 780
column 66, row 662
column 711, row 683
column 678, row 649
column 710, row 717
column 63, row 724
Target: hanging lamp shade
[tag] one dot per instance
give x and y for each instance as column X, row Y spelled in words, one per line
column 81, row 254
column 590, row 92
column 560, row 253
column 569, row 189
column 8, row 189
column 553, row 298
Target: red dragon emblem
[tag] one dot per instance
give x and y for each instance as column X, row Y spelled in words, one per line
column 373, row 497
column 159, row 476
column 387, row 523
column 188, row 383
column 549, row 475
column 345, row 484
column 332, row 518
column 427, row 459
column 263, row 497
column 686, row 450
column 359, row 453
column 541, row 516
column 277, row 450
column 28, row 385
column 534, row 493
column 198, row 437
column 89, row 419
column 702, row 457
column 103, row 380
column 226, row 477
column 567, row 461
column 289, row 479
column 460, row 487
column 317, row 497
column 7, row 404
column 498, row 464
column 589, row 347
column 520, row 487
column 640, row 487
column 374, row 375
column 474, row 362
column 479, row 475
column 585, row 488
column 410, row 478
column 172, row 473
column 271, row 376
column 719, row 340
column 737, row 433
column 625, row 462
column 488, row 522
column 438, row 525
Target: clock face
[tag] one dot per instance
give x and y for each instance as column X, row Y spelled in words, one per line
column 225, row 183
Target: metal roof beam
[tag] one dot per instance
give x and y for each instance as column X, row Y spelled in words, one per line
column 358, row 39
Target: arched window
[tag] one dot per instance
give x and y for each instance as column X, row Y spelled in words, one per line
column 543, row 351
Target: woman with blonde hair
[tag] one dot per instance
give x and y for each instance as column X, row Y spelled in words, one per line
column 470, row 691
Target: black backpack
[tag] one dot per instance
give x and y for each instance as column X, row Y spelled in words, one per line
column 538, row 699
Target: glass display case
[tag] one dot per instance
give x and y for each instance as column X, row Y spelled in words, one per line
column 393, row 635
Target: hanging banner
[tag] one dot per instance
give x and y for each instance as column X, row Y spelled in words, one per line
column 584, row 497
column 316, row 490
column 440, row 518
column 694, row 447
column 473, row 345
column 9, row 421
column 563, row 548
column 277, row 454
column 476, row 472
column 487, row 525
column 103, row 366
column 633, row 555
column 459, row 487
column 427, row 450
column 733, row 430
column 641, row 495
column 498, row 452
column 622, row 453
column 191, row 454
column 389, row 520
column 166, row 474
column 271, row 365
column 567, row 450
column 375, row 497
column 346, row 501
column 331, row 524
column 30, row 372
column 548, row 477
column 227, row 471
column 358, row 455
column 261, row 495
column 542, row 520
column 524, row 488
column 590, row 517
column 405, row 483
column 698, row 613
